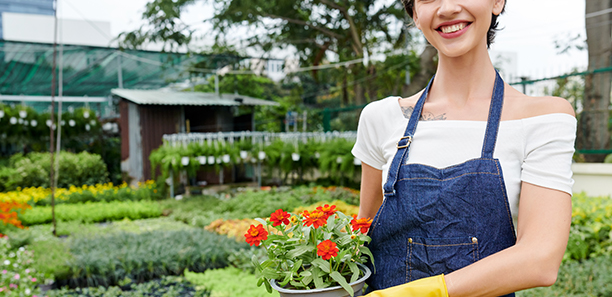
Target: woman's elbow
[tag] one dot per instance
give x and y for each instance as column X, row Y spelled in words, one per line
column 547, row 269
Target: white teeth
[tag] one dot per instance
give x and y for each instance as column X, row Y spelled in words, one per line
column 452, row 28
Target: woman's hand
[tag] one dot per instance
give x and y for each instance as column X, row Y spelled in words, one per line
column 543, row 230
column 371, row 196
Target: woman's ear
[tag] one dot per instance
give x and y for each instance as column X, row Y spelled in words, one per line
column 415, row 19
column 498, row 7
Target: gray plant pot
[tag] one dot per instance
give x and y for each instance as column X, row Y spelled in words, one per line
column 336, row 291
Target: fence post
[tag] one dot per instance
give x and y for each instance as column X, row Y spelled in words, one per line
column 326, row 120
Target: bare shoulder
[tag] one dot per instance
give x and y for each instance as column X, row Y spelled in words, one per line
column 522, row 106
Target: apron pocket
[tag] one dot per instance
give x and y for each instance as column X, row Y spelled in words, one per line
column 433, row 256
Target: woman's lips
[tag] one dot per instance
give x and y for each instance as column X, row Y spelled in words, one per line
column 454, row 30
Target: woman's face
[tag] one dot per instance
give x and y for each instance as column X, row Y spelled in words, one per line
column 455, row 27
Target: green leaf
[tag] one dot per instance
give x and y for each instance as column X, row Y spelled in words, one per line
column 340, row 279
column 365, row 250
column 298, row 251
column 322, row 264
column 270, row 273
column 344, row 240
column 331, row 222
column 316, row 277
column 262, row 221
column 355, row 270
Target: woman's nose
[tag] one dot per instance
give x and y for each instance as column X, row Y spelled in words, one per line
column 448, row 8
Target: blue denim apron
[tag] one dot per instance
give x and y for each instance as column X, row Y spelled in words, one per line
column 435, row 221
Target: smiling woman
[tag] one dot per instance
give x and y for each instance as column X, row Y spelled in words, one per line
column 454, row 160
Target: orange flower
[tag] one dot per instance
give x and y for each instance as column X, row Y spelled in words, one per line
column 255, row 235
column 327, row 249
column 327, row 210
column 363, row 224
column 279, row 217
column 316, row 218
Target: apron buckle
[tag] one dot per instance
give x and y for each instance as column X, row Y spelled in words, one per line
column 407, row 142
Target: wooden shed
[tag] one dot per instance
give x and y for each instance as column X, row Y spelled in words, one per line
column 146, row 115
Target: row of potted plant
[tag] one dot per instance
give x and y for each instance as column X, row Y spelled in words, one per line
column 332, row 158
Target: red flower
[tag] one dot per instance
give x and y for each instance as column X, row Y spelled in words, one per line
column 255, row 235
column 316, row 218
column 327, row 249
column 327, row 210
column 363, row 224
column 279, row 217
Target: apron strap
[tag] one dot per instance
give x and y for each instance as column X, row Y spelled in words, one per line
column 495, row 110
column 403, row 145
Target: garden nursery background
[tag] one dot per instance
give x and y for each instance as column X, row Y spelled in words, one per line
column 127, row 171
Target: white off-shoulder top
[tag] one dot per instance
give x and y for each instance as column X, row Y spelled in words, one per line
column 537, row 150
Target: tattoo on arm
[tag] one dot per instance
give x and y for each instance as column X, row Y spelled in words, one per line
column 407, row 110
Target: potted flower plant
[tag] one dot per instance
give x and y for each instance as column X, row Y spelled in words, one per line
column 312, row 252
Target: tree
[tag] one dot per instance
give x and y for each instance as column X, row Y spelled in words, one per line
column 315, row 29
column 593, row 130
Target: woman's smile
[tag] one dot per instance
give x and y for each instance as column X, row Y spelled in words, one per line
column 453, row 29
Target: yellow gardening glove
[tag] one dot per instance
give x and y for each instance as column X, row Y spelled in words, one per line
column 433, row 286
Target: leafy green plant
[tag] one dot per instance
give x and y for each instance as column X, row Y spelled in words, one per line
column 93, row 212
column 336, row 159
column 32, row 170
column 312, row 250
column 18, row 277
column 591, row 230
column 229, row 281
column 166, row 286
column 107, row 260
column 201, row 211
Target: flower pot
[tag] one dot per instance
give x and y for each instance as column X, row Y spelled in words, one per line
column 336, row 291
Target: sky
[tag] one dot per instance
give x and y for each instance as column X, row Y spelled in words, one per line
column 530, row 28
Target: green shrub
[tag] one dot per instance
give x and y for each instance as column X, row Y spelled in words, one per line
column 167, row 286
column 229, row 281
column 201, row 211
column 75, row 169
column 591, row 230
column 52, row 257
column 93, row 212
column 107, row 193
column 591, row 277
column 107, row 260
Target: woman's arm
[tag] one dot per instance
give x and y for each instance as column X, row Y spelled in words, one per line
column 543, row 230
column 371, row 196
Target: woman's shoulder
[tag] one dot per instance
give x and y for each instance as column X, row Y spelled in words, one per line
column 520, row 106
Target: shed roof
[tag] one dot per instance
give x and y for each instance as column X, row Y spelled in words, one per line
column 164, row 97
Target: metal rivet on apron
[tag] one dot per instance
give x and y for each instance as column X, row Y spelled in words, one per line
column 410, row 240
column 474, row 240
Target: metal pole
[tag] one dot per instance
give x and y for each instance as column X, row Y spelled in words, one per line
column 59, row 113
column 217, row 84
column 119, row 71
column 51, row 128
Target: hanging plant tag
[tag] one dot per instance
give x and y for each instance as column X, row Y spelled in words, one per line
column 211, row 160
column 202, row 160
column 185, row 161
column 226, row 158
column 244, row 155
column 262, row 155
column 295, row 157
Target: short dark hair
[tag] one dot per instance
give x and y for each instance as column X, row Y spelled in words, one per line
column 409, row 5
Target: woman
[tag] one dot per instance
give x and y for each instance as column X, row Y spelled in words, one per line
column 455, row 160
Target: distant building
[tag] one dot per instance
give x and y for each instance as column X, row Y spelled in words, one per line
column 39, row 7
column 146, row 115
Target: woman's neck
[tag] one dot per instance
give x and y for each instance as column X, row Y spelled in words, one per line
column 467, row 77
